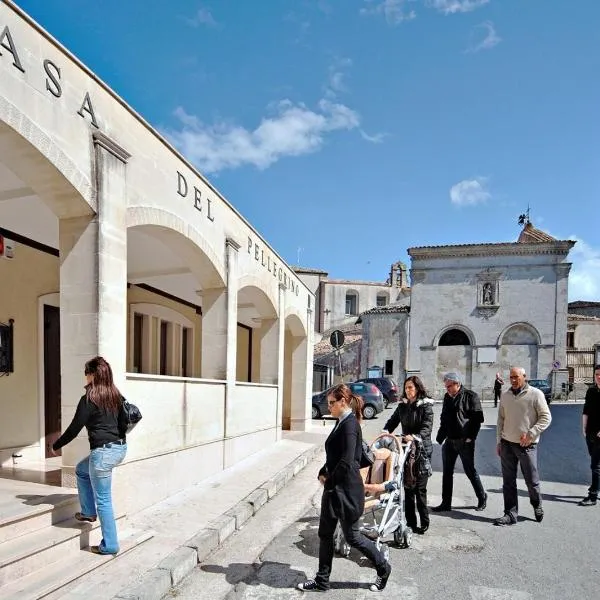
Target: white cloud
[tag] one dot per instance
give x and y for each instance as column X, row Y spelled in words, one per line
column 394, row 11
column 376, row 138
column 292, row 130
column 203, row 16
column 470, row 192
column 450, row 7
column 584, row 280
column 490, row 39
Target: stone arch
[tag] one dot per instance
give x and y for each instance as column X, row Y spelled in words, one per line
column 184, row 239
column 295, row 323
column 264, row 296
column 518, row 345
column 519, row 333
column 37, row 160
column 454, row 355
column 457, row 327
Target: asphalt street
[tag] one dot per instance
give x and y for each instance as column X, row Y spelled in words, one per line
column 462, row 556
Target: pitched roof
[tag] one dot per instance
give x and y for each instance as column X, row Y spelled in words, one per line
column 583, row 304
column 307, row 270
column 385, row 310
column 530, row 234
column 573, row 317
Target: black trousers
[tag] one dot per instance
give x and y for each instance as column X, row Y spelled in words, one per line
column 594, row 450
column 511, row 456
column 418, row 494
column 327, row 524
column 497, row 394
column 451, row 450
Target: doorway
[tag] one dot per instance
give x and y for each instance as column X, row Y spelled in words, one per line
column 52, row 388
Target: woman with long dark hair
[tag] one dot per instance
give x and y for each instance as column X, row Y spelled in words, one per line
column 344, row 494
column 415, row 413
column 100, row 410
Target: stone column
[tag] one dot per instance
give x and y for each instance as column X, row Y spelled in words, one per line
column 231, row 249
column 214, row 334
column 93, row 287
column 301, row 380
column 268, row 339
column 561, row 374
column 280, row 359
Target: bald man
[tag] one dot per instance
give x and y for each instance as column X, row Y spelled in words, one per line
column 522, row 416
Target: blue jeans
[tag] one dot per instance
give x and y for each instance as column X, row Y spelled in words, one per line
column 94, row 480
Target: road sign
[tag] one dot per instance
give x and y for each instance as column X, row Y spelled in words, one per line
column 336, row 339
column 556, row 364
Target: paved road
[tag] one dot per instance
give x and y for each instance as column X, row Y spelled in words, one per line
column 462, row 556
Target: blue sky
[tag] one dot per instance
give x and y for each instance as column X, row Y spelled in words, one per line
column 347, row 131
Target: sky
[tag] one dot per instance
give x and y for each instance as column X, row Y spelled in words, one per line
column 347, row 131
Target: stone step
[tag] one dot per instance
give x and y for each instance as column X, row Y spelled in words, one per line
column 28, row 553
column 18, row 519
column 49, row 579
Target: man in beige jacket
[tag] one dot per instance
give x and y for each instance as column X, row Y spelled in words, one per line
column 522, row 416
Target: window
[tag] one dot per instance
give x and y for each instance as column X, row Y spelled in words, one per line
column 164, row 344
column 161, row 341
column 138, row 333
column 570, row 339
column 185, row 337
column 351, row 303
column 389, row 367
column 382, row 300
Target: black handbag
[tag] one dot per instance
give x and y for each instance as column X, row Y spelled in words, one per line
column 367, row 458
column 133, row 415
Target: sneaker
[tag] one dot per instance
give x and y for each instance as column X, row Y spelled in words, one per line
column 588, row 501
column 539, row 514
column 83, row 519
column 441, row 508
column 505, row 520
column 310, row 585
column 482, row 503
column 382, row 580
column 98, row 550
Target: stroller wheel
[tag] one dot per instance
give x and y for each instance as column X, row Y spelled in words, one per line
column 408, row 534
column 345, row 550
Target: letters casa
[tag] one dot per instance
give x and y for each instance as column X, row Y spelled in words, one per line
column 53, row 75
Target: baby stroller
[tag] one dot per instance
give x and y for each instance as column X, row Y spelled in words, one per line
column 388, row 468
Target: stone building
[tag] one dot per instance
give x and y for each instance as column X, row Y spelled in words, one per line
column 112, row 243
column 339, row 302
column 583, row 344
column 479, row 308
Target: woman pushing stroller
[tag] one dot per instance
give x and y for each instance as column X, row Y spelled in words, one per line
column 344, row 494
column 415, row 414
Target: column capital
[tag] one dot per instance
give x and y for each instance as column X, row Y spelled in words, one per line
column 102, row 140
column 231, row 243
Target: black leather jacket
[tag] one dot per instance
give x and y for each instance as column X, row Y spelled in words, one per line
column 461, row 416
column 416, row 418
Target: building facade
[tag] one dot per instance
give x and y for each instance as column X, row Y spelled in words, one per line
column 480, row 308
column 113, row 244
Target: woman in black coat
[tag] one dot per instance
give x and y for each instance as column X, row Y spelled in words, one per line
column 344, row 494
column 415, row 414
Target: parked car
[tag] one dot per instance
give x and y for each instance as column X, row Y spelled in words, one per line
column 387, row 386
column 542, row 384
column 372, row 398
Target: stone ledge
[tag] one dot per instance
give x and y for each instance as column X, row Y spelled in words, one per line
column 180, row 563
column 155, row 585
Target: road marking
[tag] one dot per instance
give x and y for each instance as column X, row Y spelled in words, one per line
column 486, row 593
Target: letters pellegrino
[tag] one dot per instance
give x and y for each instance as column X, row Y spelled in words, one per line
column 9, row 50
column 263, row 256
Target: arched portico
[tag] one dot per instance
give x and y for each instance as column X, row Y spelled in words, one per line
column 518, row 345
column 295, row 408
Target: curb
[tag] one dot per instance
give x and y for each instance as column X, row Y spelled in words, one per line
column 174, row 568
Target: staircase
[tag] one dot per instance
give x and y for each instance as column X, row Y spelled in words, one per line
column 42, row 547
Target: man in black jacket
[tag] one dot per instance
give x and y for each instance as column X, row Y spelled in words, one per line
column 460, row 422
column 591, row 433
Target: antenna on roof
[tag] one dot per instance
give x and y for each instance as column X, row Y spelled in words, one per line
column 524, row 218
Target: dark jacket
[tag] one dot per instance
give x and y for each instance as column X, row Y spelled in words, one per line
column 461, row 416
column 416, row 418
column 102, row 427
column 343, row 450
column 591, row 408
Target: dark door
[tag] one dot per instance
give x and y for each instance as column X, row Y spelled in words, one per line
column 51, row 375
